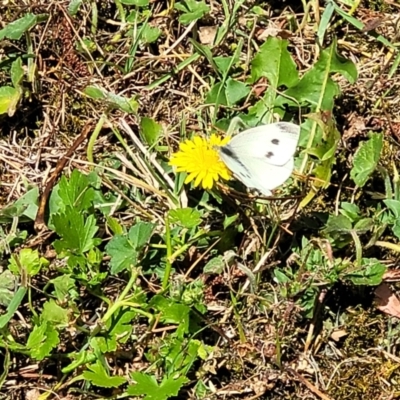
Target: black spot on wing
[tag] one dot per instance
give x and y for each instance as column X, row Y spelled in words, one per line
column 275, row 141
column 230, row 153
column 269, row 154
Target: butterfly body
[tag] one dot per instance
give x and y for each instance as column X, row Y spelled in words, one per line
column 262, row 157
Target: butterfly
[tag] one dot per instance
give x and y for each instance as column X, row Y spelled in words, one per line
column 262, row 157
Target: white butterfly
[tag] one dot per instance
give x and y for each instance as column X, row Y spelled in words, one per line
column 262, row 157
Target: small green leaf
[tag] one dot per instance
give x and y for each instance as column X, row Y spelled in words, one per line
column 150, row 130
column 29, row 260
column 137, row 3
column 124, row 249
column 370, row 273
column 235, row 91
column 7, row 285
column 42, row 340
column 214, row 266
column 97, row 375
column 185, row 217
column 147, row 385
column 17, row 72
column 217, row 95
column 192, row 10
column 350, row 210
column 338, row 223
column 150, row 34
column 366, row 159
column 54, row 314
column 73, row 7
column 9, row 98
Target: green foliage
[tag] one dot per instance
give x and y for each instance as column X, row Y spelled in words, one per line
column 191, row 10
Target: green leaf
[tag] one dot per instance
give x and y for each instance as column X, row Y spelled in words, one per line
column 13, row 306
column 370, row 273
column 63, row 285
column 185, row 217
column 9, row 98
column 7, row 285
column 316, row 87
column 73, row 7
column 25, row 208
column 350, row 210
column 393, row 206
column 42, row 340
column 150, row 34
column 29, row 260
column 138, row 3
column 150, row 130
column 338, row 223
column 77, row 234
column 99, row 377
column 147, row 385
column 17, row 28
column 116, row 101
column 171, row 312
column 366, row 159
column 274, row 62
column 214, row 266
column 125, row 250
column 17, row 72
column 235, row 91
column 192, row 10
column 217, row 95
column 54, row 314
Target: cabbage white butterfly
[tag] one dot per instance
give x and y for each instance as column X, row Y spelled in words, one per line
column 262, row 157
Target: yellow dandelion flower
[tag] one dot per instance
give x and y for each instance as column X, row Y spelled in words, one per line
column 199, row 158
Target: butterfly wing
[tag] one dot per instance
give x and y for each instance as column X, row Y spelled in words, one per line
column 262, row 157
column 276, row 143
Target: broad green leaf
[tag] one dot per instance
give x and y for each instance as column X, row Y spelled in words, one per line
column 25, row 208
column 54, row 314
column 192, row 10
column 370, row 273
column 217, row 95
column 29, row 260
column 97, row 375
column 274, row 62
column 78, row 234
column 9, row 98
column 235, row 91
column 150, row 34
column 338, row 223
column 150, row 130
column 393, row 206
column 125, row 249
column 185, row 217
column 350, row 210
column 17, row 28
column 63, row 285
column 147, row 385
column 316, row 87
column 366, row 159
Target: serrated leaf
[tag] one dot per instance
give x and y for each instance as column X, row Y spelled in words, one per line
column 316, row 87
column 42, row 339
column 97, row 375
column 186, row 217
column 366, row 159
column 147, row 385
column 76, row 233
column 54, row 314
